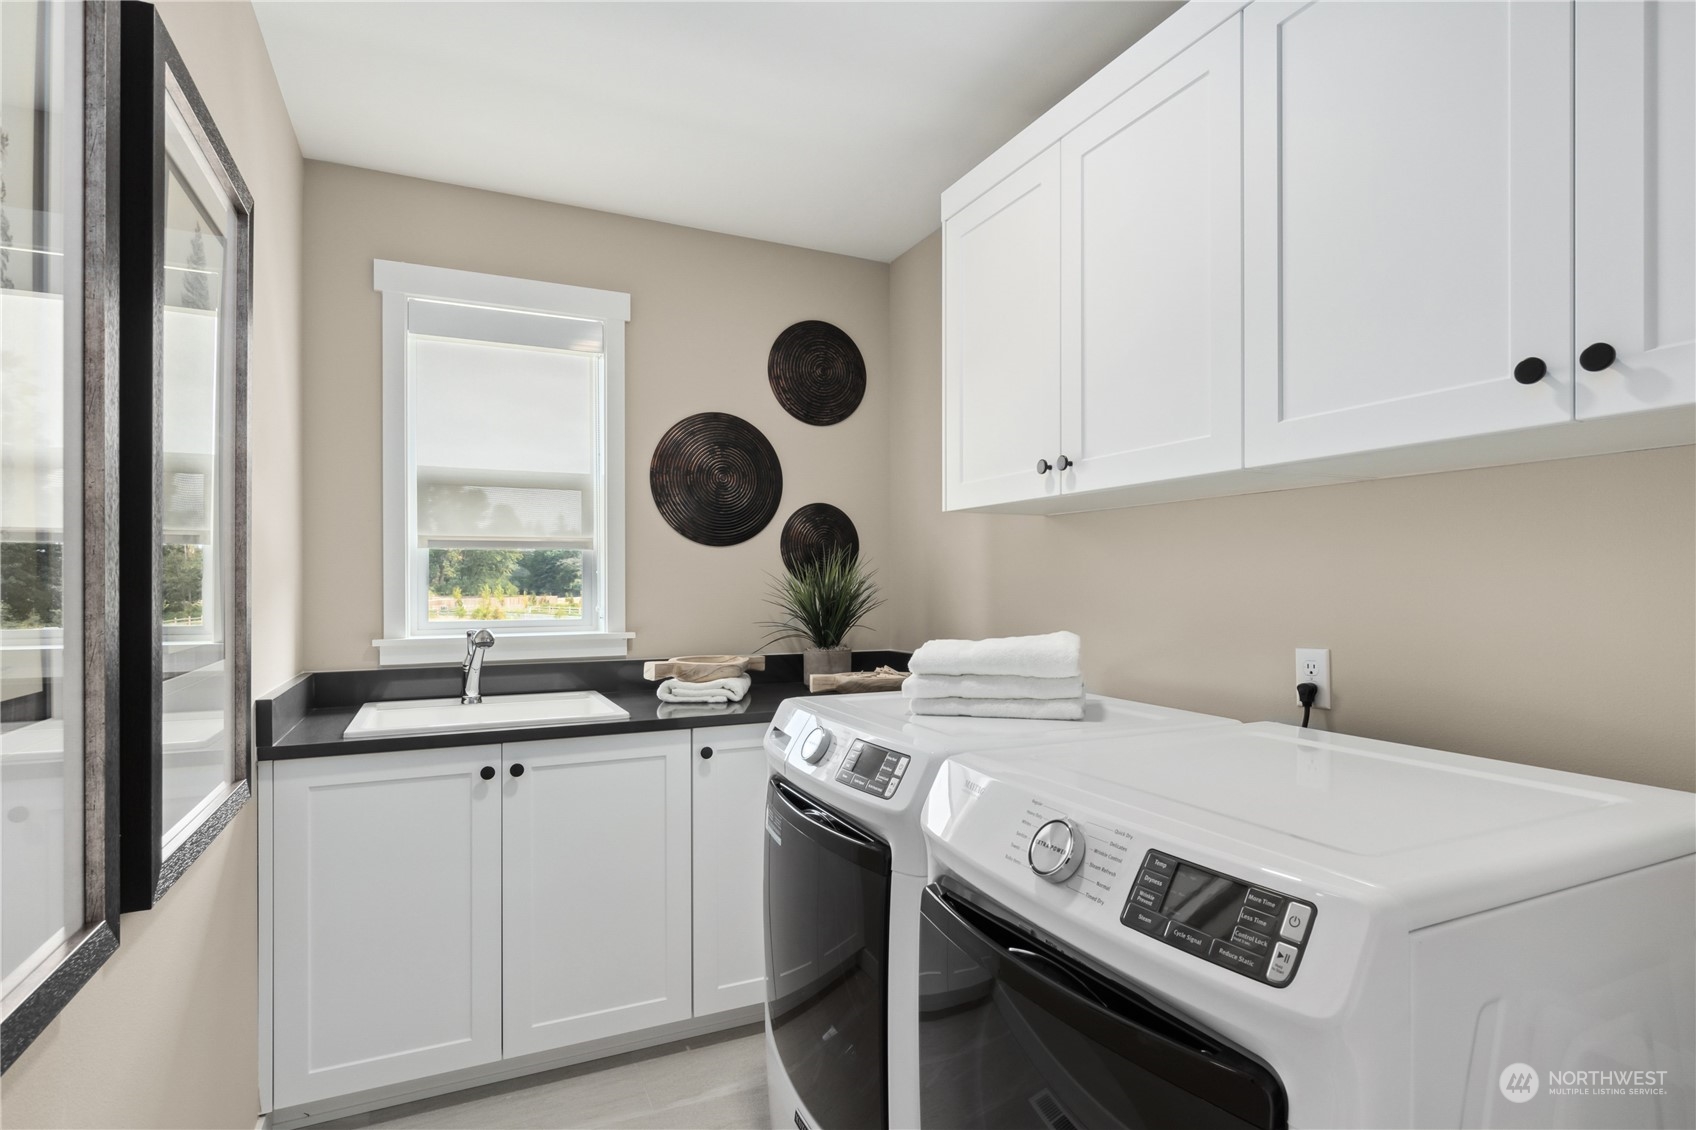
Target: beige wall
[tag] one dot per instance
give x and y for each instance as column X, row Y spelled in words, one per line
column 164, row 1035
column 1540, row 613
column 704, row 311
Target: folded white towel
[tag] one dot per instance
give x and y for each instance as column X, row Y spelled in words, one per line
column 718, row 690
column 1052, row 709
column 990, row 686
column 699, row 709
column 1054, row 656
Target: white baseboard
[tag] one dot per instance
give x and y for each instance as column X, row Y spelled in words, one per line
column 360, row 1102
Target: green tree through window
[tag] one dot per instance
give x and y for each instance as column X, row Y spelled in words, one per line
column 506, row 584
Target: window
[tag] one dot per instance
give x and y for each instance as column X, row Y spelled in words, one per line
column 58, row 602
column 502, row 465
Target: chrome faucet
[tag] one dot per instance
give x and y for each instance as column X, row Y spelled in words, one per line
column 477, row 645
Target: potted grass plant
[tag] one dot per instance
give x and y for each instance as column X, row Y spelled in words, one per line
column 819, row 602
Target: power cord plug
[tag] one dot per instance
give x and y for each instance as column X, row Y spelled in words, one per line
column 1305, row 694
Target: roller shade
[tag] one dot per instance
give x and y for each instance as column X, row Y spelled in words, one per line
column 504, row 436
column 453, row 513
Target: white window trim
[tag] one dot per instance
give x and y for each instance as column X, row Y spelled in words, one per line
column 397, row 282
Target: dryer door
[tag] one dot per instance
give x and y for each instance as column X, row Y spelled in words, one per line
column 1015, row 1032
column 827, row 959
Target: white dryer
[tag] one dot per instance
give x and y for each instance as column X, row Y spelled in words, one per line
column 1269, row 926
column 845, row 868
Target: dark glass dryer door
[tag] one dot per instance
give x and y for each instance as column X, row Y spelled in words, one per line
column 827, row 958
column 1015, row 1032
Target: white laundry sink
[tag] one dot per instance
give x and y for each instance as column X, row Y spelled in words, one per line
column 495, row 712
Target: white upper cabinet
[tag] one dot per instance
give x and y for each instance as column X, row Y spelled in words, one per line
column 730, row 777
column 1636, row 205
column 596, row 906
column 387, row 912
column 1001, row 340
column 1151, row 276
column 1408, row 216
column 1287, row 243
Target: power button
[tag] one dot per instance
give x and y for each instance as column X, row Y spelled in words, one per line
column 1296, row 917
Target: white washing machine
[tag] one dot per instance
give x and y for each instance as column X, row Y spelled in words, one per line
column 1268, row 926
column 845, row 868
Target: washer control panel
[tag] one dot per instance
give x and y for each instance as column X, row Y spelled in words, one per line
column 872, row 769
column 1251, row 930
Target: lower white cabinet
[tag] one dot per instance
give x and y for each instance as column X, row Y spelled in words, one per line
column 432, row 911
column 386, row 888
column 596, row 906
column 729, row 807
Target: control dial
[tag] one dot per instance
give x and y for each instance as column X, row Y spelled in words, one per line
column 815, row 745
column 1057, row 850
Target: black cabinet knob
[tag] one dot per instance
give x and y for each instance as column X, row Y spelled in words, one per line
column 1530, row 371
column 487, row 773
column 706, row 753
column 517, row 770
column 1062, row 463
column 1597, row 357
column 1042, row 466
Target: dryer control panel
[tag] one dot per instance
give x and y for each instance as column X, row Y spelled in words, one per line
column 1251, row 930
column 872, row 769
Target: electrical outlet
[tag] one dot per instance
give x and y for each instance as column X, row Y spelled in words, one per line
column 1313, row 665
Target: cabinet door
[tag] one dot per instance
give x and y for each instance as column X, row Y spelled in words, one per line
column 1636, row 201
column 1408, row 216
column 729, row 858
column 387, row 912
column 1001, row 340
column 1151, row 276
column 596, row 907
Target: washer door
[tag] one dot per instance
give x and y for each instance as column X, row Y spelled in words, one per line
column 827, row 959
column 1016, row 1032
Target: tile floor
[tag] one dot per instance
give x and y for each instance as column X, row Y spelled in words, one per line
column 713, row 1083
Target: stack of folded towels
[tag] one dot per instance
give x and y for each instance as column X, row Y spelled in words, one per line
column 713, row 691
column 1017, row 677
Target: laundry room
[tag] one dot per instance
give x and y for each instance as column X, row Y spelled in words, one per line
column 848, row 564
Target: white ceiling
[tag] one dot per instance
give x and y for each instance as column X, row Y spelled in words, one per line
column 825, row 125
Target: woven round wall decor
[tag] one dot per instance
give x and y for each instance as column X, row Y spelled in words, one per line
column 715, row 479
column 815, row 530
column 816, row 373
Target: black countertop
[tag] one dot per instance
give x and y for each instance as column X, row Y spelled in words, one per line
column 306, row 717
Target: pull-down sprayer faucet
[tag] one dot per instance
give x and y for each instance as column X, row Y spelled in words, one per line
column 477, row 645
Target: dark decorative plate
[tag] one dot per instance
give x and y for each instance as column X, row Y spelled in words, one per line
column 715, row 479
column 815, row 530
column 816, row 373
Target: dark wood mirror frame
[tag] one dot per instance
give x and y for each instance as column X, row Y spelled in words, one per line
column 33, row 1004
column 152, row 73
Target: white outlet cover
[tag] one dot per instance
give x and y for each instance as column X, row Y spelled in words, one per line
column 1313, row 664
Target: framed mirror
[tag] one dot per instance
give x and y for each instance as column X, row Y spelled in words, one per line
column 58, row 505
column 185, row 298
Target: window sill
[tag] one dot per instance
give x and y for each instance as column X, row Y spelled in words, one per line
column 513, row 645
